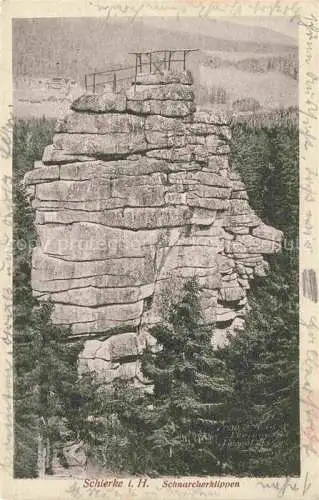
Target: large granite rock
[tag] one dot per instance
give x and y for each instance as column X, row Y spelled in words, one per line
column 135, row 196
column 100, row 103
column 173, row 92
column 165, row 78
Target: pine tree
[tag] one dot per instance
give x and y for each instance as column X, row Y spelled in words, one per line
column 179, row 421
column 264, row 357
column 123, row 422
column 264, row 361
column 251, row 157
column 25, row 418
column 46, row 388
column 45, row 378
column 44, row 361
column 281, row 207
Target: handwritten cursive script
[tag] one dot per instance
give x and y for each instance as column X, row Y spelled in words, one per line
column 287, row 485
column 6, row 138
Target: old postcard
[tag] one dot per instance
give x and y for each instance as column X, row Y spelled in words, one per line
column 159, row 250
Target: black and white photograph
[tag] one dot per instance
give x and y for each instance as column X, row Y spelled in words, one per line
column 155, row 251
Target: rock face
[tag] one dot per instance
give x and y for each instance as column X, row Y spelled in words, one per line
column 135, row 196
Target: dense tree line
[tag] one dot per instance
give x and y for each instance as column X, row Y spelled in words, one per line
column 48, row 397
column 234, row 410
column 264, row 359
column 28, row 140
column 287, row 64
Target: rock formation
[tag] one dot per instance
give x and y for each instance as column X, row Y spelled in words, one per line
column 136, row 195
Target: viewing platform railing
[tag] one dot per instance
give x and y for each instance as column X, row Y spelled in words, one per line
column 152, row 61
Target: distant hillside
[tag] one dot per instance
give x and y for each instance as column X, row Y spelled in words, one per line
column 234, row 62
column 227, row 30
column 72, row 47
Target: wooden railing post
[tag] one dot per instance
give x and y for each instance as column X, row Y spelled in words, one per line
column 114, row 82
column 164, row 60
column 135, row 71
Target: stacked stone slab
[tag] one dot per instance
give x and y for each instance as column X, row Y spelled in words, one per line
column 135, row 196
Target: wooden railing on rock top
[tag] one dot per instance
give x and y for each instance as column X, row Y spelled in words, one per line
column 152, row 61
